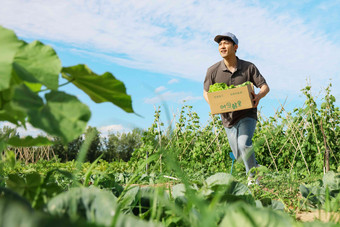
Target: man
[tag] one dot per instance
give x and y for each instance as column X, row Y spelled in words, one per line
column 240, row 125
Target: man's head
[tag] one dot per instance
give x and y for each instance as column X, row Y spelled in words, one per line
column 227, row 44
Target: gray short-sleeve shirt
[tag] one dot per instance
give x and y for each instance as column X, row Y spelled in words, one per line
column 246, row 71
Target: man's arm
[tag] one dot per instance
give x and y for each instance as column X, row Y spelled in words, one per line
column 205, row 95
column 264, row 89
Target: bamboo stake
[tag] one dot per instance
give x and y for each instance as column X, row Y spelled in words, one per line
column 218, row 143
column 316, row 139
column 301, row 153
column 326, row 154
column 265, row 137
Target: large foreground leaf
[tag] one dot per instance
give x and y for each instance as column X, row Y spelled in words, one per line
column 317, row 193
column 8, row 113
column 241, row 214
column 92, row 204
column 9, row 45
column 129, row 198
column 331, row 180
column 100, row 88
column 14, row 213
column 62, row 115
column 225, row 182
column 219, row 179
column 38, row 63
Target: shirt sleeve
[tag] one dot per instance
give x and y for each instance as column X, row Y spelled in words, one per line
column 207, row 81
column 257, row 79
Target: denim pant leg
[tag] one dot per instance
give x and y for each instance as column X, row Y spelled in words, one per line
column 240, row 140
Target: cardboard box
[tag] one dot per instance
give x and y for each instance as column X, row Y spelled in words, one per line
column 231, row 100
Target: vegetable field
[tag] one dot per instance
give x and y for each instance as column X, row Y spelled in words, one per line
column 177, row 176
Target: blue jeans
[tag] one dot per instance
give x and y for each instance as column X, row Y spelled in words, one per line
column 240, row 141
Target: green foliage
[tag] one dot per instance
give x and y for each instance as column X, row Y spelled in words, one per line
column 7, row 133
column 94, row 150
column 92, row 204
column 100, row 88
column 323, row 193
column 292, row 141
column 200, row 150
column 119, row 146
column 208, row 202
column 69, row 151
column 295, row 140
column 194, row 157
column 239, row 214
column 27, row 69
column 218, row 87
column 56, row 116
column 223, row 86
column 14, row 213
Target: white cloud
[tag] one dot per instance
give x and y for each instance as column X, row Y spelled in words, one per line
column 175, row 37
column 191, row 98
column 29, row 131
column 105, row 130
column 160, row 89
column 109, row 129
column 34, row 132
column 169, row 96
column 173, row 81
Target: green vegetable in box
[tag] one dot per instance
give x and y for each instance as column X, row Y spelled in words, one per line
column 223, row 86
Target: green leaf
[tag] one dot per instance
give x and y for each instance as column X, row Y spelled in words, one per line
column 26, row 185
column 129, row 220
column 13, row 196
column 100, row 88
column 331, row 180
column 8, row 112
column 277, row 205
column 33, row 179
column 242, row 214
column 178, row 190
column 219, row 179
column 62, row 115
column 12, row 115
column 9, row 44
column 16, row 213
column 38, row 63
column 29, row 141
column 26, row 100
column 35, row 87
column 237, row 188
column 16, row 183
column 274, row 204
column 93, row 204
column 314, row 199
column 129, row 197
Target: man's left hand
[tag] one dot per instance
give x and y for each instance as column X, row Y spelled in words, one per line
column 264, row 89
column 256, row 98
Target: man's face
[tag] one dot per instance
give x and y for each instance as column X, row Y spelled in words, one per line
column 227, row 48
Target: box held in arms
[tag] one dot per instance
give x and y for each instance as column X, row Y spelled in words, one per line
column 234, row 99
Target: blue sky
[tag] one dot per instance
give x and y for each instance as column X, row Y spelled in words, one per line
column 162, row 49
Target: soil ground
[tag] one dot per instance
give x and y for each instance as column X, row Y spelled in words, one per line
column 318, row 215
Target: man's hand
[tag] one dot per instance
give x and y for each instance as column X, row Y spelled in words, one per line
column 256, row 98
column 264, row 89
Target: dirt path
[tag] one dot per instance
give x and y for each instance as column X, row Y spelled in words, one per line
column 318, row 215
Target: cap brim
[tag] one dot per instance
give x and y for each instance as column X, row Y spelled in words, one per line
column 218, row 38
